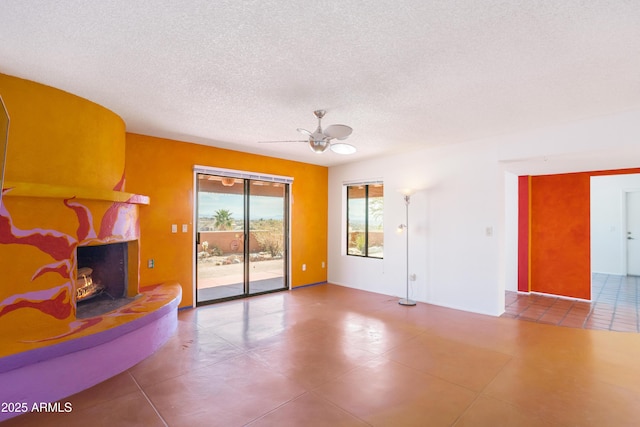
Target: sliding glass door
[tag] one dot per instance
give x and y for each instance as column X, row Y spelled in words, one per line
column 268, row 217
column 242, row 237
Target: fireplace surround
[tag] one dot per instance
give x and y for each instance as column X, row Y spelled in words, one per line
column 59, row 199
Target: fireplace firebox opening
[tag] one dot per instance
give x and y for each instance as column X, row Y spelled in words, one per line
column 106, row 280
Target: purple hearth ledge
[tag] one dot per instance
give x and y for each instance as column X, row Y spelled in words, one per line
column 52, row 373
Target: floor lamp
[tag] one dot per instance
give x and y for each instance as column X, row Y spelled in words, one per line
column 407, row 199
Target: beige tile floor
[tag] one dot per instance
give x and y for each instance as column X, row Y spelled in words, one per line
column 332, row 356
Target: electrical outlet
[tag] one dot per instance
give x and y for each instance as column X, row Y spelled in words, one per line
column 185, row 228
column 323, row 264
column 150, row 263
column 304, row 267
column 174, row 228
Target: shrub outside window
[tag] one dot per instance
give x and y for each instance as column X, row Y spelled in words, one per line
column 365, row 209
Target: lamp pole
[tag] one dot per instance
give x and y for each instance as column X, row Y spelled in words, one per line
column 407, row 200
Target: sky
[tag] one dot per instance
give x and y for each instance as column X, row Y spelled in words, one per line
column 357, row 214
column 262, row 207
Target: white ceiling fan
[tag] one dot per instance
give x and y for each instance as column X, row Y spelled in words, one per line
column 321, row 139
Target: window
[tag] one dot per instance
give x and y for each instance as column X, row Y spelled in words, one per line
column 365, row 208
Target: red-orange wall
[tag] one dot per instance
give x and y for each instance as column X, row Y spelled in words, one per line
column 560, row 262
column 163, row 170
column 560, row 230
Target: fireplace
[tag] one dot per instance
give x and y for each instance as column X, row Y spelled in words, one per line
column 56, row 210
column 103, row 281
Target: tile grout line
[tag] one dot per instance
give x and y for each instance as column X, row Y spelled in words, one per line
column 543, row 313
column 595, row 302
column 481, row 393
column 294, row 398
column 566, row 314
column 615, row 306
column 467, row 409
column 149, row 400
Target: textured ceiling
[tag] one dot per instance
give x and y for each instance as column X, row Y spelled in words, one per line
column 403, row 74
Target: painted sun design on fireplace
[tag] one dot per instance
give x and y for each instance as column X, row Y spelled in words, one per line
column 118, row 223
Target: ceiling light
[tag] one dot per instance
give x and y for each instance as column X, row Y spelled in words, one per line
column 318, row 146
column 343, row 148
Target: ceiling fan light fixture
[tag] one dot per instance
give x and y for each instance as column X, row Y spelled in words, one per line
column 320, row 140
column 318, row 147
column 343, row 148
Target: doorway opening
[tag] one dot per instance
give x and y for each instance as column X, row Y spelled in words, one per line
column 615, row 224
column 242, row 235
column 578, row 224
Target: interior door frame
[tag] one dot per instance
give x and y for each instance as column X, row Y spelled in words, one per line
column 625, row 227
column 245, row 175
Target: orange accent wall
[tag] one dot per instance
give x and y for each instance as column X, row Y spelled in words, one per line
column 59, row 138
column 163, row 170
column 560, row 233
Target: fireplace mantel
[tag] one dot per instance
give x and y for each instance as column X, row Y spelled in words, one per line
column 31, row 189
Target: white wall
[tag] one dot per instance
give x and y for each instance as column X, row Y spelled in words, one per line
column 608, row 232
column 509, row 255
column 466, row 189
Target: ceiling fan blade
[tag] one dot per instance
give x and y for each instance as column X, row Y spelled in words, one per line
column 320, row 141
column 271, row 142
column 338, row 131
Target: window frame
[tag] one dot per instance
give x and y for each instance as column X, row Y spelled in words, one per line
column 366, row 186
